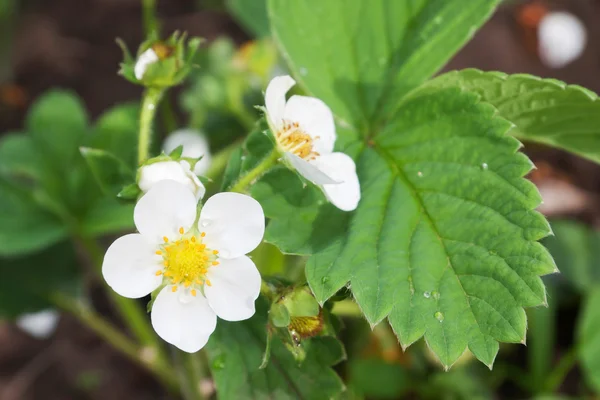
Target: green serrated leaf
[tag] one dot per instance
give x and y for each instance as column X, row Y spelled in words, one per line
column 444, row 240
column 236, row 349
column 116, row 132
column 544, row 110
column 371, row 53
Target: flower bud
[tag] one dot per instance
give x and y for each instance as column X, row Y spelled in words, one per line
column 179, row 171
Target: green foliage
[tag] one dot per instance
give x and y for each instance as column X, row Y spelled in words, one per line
column 252, row 15
column 235, row 351
column 544, row 110
column 589, row 340
column 28, row 281
column 576, row 249
column 379, row 379
column 444, row 239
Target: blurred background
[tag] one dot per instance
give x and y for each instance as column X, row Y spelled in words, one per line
column 70, row 44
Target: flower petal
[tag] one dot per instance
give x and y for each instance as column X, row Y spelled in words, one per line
column 166, row 207
column 309, row 170
column 183, row 320
column 194, row 145
column 180, row 172
column 40, row 325
column 315, row 118
column 344, row 195
column 130, row 266
column 275, row 98
column 234, row 224
column 144, row 60
column 235, row 285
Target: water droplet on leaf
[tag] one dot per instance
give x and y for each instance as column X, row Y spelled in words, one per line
column 303, row 71
column 426, row 295
column 325, row 279
column 219, row 362
column 420, row 174
column 484, row 166
column 439, row 316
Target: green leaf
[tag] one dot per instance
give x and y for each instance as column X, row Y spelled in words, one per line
column 444, row 240
column 576, row 250
column 589, row 340
column 116, row 132
column 19, row 159
column 370, row 54
column 57, row 122
column 107, row 216
column 111, row 173
column 27, row 281
column 25, row 226
column 236, row 349
column 544, row 110
column 251, row 14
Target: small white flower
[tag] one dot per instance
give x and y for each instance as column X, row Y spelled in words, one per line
column 144, row 60
column 201, row 261
column 179, row 171
column 562, row 38
column 305, row 133
column 40, row 325
column 194, row 145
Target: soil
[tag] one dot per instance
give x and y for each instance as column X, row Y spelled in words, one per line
column 71, row 44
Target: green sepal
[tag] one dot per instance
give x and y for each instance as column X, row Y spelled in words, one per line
column 279, row 315
column 177, row 152
column 130, row 192
column 301, row 303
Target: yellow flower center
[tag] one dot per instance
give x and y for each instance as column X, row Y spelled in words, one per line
column 291, row 138
column 186, row 261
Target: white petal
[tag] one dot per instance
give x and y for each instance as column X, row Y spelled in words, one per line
column 562, row 38
column 275, row 98
column 315, row 118
column 40, row 325
column 130, row 266
column 344, row 195
column 180, row 172
column 183, row 320
column 235, row 285
column 164, row 209
column 194, row 145
column 144, row 60
column 309, row 170
column 234, row 224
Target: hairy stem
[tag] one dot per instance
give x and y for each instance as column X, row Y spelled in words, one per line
column 149, row 15
column 150, row 102
column 244, row 182
column 116, row 339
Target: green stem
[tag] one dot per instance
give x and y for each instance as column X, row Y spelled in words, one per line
column 219, row 160
column 115, row 338
column 149, row 15
column 559, row 373
column 190, row 374
column 150, row 102
column 241, row 186
column 134, row 316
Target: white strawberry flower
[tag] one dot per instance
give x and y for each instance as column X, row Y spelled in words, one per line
column 194, row 145
column 40, row 324
column 179, row 171
column 144, row 60
column 200, row 260
column 305, row 133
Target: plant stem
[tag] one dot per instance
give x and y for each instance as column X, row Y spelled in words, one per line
column 241, row 186
column 559, row 373
column 190, row 374
column 150, row 102
column 115, row 338
column 150, row 20
column 132, row 314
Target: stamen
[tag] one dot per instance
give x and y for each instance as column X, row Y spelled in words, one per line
column 181, row 230
column 215, row 252
column 158, row 252
column 174, row 289
column 158, row 273
column 166, row 239
column 193, row 239
column 215, row 263
column 203, row 234
column 193, row 292
column 208, row 282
